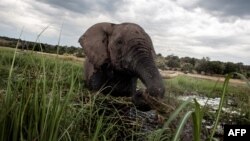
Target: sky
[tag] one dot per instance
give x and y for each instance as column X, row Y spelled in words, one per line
column 218, row 29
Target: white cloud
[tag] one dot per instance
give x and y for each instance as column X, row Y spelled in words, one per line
column 180, row 27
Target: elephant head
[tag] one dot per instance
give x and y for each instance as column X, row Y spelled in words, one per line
column 127, row 49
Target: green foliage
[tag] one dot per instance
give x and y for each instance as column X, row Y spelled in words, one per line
column 202, row 65
column 46, row 101
column 176, row 112
column 80, row 54
column 248, row 75
column 181, row 125
column 230, row 67
column 43, row 98
column 42, row 47
column 187, row 67
column 197, row 116
column 185, row 85
column 160, row 62
column 222, row 100
column 173, row 61
column 189, row 60
column 36, row 98
column 186, row 64
column 215, row 67
column 210, row 67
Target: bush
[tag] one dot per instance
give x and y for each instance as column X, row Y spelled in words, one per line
column 248, row 74
column 230, row 67
column 187, row 67
column 80, row 53
column 202, row 65
column 173, row 63
column 215, row 67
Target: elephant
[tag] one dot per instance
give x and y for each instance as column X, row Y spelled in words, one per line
column 117, row 55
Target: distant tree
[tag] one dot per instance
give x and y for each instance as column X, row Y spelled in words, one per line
column 202, row 65
column 80, row 53
column 49, row 48
column 185, row 63
column 36, row 47
column 188, row 60
column 160, row 62
column 159, row 55
column 248, row 74
column 172, row 57
column 173, row 63
column 62, row 50
column 230, row 67
column 246, row 68
column 240, row 67
column 215, row 67
column 71, row 50
column 187, row 67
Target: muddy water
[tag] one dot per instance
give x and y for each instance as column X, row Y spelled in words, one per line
column 212, row 103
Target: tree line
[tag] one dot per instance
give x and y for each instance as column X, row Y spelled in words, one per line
column 201, row 66
column 171, row 62
column 43, row 47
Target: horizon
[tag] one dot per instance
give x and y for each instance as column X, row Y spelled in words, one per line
column 219, row 30
column 156, row 53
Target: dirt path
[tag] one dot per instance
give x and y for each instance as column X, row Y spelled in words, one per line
column 214, row 78
column 66, row 57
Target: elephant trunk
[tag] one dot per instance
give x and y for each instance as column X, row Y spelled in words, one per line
column 148, row 73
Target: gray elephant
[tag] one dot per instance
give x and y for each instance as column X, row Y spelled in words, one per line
column 116, row 56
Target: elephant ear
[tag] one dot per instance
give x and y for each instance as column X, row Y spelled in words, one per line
column 95, row 43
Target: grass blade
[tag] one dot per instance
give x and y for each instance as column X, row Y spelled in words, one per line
column 197, row 121
column 12, row 66
column 181, row 125
column 176, row 112
column 224, row 88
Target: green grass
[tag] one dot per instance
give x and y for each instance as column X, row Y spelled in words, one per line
column 186, row 85
column 36, row 94
column 43, row 98
column 38, row 101
column 183, row 85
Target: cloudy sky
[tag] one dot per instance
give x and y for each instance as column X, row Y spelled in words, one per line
column 219, row 29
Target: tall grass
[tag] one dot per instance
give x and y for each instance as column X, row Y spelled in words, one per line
column 36, row 98
column 43, row 98
column 188, row 85
column 225, row 85
column 48, row 101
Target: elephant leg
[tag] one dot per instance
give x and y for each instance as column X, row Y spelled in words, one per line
column 124, row 86
column 94, row 79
